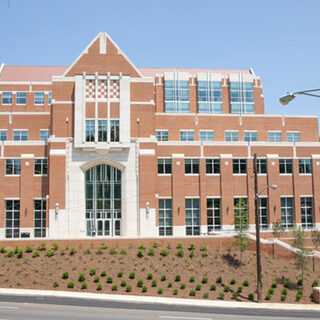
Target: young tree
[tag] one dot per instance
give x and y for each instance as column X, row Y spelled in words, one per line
column 278, row 230
column 315, row 237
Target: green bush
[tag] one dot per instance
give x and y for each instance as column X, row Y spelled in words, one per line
column 240, row 288
column 164, row 252
column 192, row 253
column 142, row 247
column 169, row 284
column 271, row 291
column 226, row 288
column 274, row 284
column 65, row 275
column 3, row 249
column 123, row 283
column 221, row 295
column 206, row 295
column 177, row 278
column 120, row 274
column 28, row 249
column 163, row 277
column 103, row 246
column 192, row 293
column 155, row 244
column 42, row 246
column 283, row 297
column 286, row 283
column 213, row 287
column 151, row 252
column 81, row 277
column 299, row 282
column 84, row 285
column 245, row 283
column 183, row 286
column 10, row 254
column 140, row 253
column 35, row 254
column 114, row 287
column 198, row 287
column 140, row 283
column 149, row 276
column 298, row 297
column 160, row 291
column 144, row 289
column 192, row 246
column 219, row 280
column 175, row 292
column 154, row 283
column 124, row 251
column 233, row 281
column 103, row 273
column 55, row 246
column 132, row 275
column 300, row 292
column 191, row 279
column 50, row 253
column 285, row 291
column 70, row 285
column 73, row 251
column 55, row 284
column 16, row 249
column 251, row 296
column 179, row 245
column 19, row 253
column 109, row 280
column 128, row 289
column 234, row 294
column 96, row 279
column 92, row 272
column 315, row 283
column 113, row 250
column 268, row 296
column 204, row 280
column 180, row 253
column 99, row 287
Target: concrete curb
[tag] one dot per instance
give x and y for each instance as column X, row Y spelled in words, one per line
column 159, row 300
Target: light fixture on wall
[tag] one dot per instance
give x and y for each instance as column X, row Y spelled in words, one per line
column 57, row 208
column 227, row 209
column 147, row 207
column 179, row 210
column 274, row 209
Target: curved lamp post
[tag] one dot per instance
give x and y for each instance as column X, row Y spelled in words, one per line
column 285, row 99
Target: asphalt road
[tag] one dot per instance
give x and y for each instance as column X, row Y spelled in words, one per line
column 31, row 308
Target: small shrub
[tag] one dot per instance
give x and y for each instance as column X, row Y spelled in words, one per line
column 163, row 277
column 151, row 252
column 96, row 279
column 315, row 283
column 142, row 247
column 240, row 288
column 28, row 249
column 268, row 296
column 299, row 282
column 70, row 285
column 251, row 296
column 286, row 283
column 35, row 254
column 132, row 275
column 226, row 288
column 298, row 297
column 113, row 250
column 192, row 293
column 198, row 287
column 164, row 252
column 42, row 246
column 109, row 280
column 160, row 291
column 114, row 287
column 140, row 283
column 271, row 291
column 283, row 297
column 84, row 285
column 3, row 249
column 245, row 283
column 92, row 272
column 124, row 251
column 123, row 283
column 191, row 279
column 149, row 276
column 73, row 251
column 65, row 275
column 179, row 245
column 219, row 280
column 81, row 277
column 55, row 284
column 155, row 244
column 233, row 281
column 120, row 274
column 274, row 284
column 175, row 292
column 235, row 294
column 144, row 289
column 170, row 285
column 140, row 253
column 128, row 289
column 192, row 246
column 204, row 253
column 206, row 295
column 203, row 247
column 180, row 253
column 99, row 287
column 183, row 286
column 55, row 246
column 62, row 252
column 177, row 278
column 154, row 283
column 103, row 273
column 192, row 253
column 213, row 287
column 103, row 246
column 285, row 291
column 10, row 254
column 50, row 253
column 300, row 292
column 221, row 295
column 19, row 253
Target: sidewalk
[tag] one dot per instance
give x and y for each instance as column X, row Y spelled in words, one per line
column 159, row 300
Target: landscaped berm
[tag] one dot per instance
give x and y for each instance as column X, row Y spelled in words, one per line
column 202, row 268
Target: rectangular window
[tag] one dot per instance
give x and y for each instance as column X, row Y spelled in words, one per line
column 102, row 130
column 3, row 135
column 239, row 166
column 213, row 214
column 165, row 217
column 206, row 135
column 90, row 130
column 39, row 98
column 212, row 166
column 40, row 213
column 6, row 97
column 191, row 166
column 307, row 212
column 287, row 212
column 40, row 167
column 305, row 166
column 241, row 97
column 176, row 96
column 20, row 135
column 231, row 136
column 274, row 136
column 12, row 218
column 262, row 166
column 293, row 136
column 250, row 136
column 49, row 97
column 164, row 166
column 241, row 218
column 192, row 217
column 114, row 131
column 13, row 166
column 263, row 213
column 209, row 97
column 285, row 166
column 186, row 135
column 44, row 134
column 21, row 98
column 162, row 135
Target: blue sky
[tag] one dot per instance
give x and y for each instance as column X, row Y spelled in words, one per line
column 278, row 39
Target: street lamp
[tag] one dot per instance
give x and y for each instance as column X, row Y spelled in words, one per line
column 285, row 99
column 257, row 218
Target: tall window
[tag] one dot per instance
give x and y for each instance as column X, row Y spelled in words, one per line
column 287, row 212
column 192, row 217
column 3, row 135
column 6, row 97
column 162, row 135
column 191, row 166
column 305, row 166
column 40, row 212
column 176, row 96
column 212, row 166
column 164, row 166
column 209, row 97
column 239, row 166
column 21, row 98
column 90, row 130
column 307, row 212
column 241, row 218
column 114, row 131
column 186, row 135
column 20, row 135
column 206, row 135
column 263, row 213
column 12, row 224
column 285, row 166
column 213, row 214
column 44, row 134
column 293, row 136
column 250, row 136
column 241, row 97
column 165, row 217
column 262, row 166
column 49, row 97
column 13, row 166
column 274, row 136
column 40, row 167
column 39, row 98
column 102, row 130
column 231, row 136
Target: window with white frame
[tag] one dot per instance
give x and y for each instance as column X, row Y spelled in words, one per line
column 3, row 135
column 40, row 167
column 213, row 214
column 90, row 130
column 186, row 135
column 287, row 212
column 40, row 214
column 13, row 167
column 241, row 97
column 212, row 166
column 176, row 95
column 12, row 223
column 191, row 166
column 6, row 97
column 293, row 136
column 206, row 135
column 285, row 166
column 239, row 166
column 21, row 98
column 209, row 97
column 165, row 217
column 305, row 166
column 263, row 212
column 164, row 166
column 114, row 131
column 44, row 134
column 250, row 136
column 274, row 136
column 20, row 135
column 192, row 217
column 39, row 98
column 162, row 135
column 231, row 136
column 241, row 217
column 49, row 97
column 102, row 130
column 262, row 166
column 306, row 212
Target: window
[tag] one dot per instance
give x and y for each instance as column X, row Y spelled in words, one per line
column 285, row 166
column 162, row 135
column 239, row 166
column 306, row 212
column 263, row 213
column 3, row 135
column 287, row 212
column 274, row 136
column 39, row 98
column 250, row 136
column 40, row 167
column 90, row 129
column 206, row 135
column 49, row 97
column 164, row 166
column 231, row 136
column 40, row 212
column 209, row 97
column 192, row 217
column 44, row 134
column 212, row 166
column 241, row 218
column 241, row 97
column 191, row 166
column 165, row 217
column 262, row 166
column 305, row 166
column 12, row 218
column 6, row 97
column 13, row 166
column 20, row 135
column 293, row 136
column 114, row 131
column 176, row 96
column 186, row 135
column 21, row 98
column 213, row 214
column 102, row 130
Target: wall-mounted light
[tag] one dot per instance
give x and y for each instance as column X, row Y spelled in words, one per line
column 179, row 210
column 67, row 120
column 57, row 208
column 147, row 207
column 227, row 209
column 138, row 120
column 274, row 209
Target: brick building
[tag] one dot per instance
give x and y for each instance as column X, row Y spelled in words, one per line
column 104, row 146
